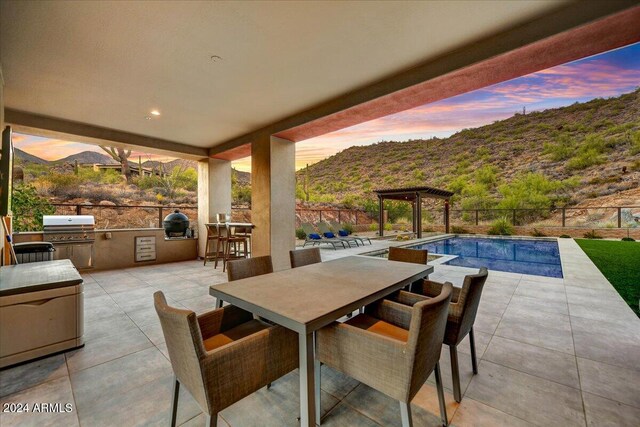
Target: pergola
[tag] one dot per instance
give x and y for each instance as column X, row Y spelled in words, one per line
column 415, row 196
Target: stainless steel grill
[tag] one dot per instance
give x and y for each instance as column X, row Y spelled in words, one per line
column 72, row 236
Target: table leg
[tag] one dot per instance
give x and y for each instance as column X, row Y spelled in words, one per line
column 307, row 388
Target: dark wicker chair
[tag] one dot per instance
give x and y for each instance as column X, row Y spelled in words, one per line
column 302, row 257
column 392, row 348
column 249, row 267
column 414, row 256
column 462, row 315
column 210, row 354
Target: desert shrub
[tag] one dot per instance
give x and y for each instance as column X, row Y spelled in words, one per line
column 373, row 227
column 110, row 176
column 562, row 149
column 394, row 209
column 459, row 230
column 388, row 226
column 628, row 239
column 59, row 183
column 462, row 166
column 635, row 142
column 537, row 233
column 592, row 235
column 28, row 208
column 501, row 227
column 565, row 236
column 350, row 201
column 300, row 234
column 89, row 174
column 584, row 159
column 241, row 194
column 322, row 198
column 348, row 227
column 419, row 174
column 148, row 182
column 402, row 221
column 458, row 184
column 476, row 196
column 482, row 152
column 185, row 178
column 533, row 191
column 486, row 175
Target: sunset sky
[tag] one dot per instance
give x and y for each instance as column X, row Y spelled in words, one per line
column 605, row 75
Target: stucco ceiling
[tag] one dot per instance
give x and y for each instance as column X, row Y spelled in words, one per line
column 109, row 63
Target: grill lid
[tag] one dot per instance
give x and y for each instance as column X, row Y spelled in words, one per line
column 68, row 220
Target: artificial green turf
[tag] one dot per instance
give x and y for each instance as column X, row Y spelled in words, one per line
column 620, row 263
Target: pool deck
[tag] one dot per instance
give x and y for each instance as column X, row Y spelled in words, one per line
column 562, row 352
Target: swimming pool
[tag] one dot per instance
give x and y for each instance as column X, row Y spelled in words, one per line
column 537, row 257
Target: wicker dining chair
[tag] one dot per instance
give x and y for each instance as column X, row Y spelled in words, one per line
column 210, row 354
column 392, row 348
column 302, row 257
column 462, row 316
column 247, row 267
column 414, row 256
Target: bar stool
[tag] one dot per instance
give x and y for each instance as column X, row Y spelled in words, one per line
column 232, row 240
column 214, row 239
column 246, row 233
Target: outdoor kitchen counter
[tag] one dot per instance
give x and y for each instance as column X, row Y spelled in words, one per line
column 37, row 276
column 41, row 310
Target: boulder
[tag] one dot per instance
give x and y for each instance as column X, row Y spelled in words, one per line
column 106, row 203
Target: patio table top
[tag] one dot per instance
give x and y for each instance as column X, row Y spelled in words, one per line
column 306, row 298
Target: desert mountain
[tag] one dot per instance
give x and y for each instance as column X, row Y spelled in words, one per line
column 87, row 158
column 25, row 157
column 596, row 144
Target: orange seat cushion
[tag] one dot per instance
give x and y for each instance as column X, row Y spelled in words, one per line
column 377, row 326
column 234, row 334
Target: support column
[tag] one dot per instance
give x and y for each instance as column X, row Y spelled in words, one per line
column 446, row 216
column 273, row 199
column 381, row 215
column 419, row 214
column 214, row 195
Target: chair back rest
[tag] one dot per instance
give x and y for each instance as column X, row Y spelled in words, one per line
column 249, row 267
column 416, row 256
column 304, row 257
column 212, row 232
column 468, row 301
column 184, row 343
column 324, row 227
column 240, row 231
column 426, row 335
column 307, row 228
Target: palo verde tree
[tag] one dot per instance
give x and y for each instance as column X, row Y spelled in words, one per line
column 121, row 156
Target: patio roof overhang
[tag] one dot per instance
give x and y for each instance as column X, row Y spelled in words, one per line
column 572, row 32
column 520, row 39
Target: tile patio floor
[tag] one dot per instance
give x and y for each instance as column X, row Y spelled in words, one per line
column 561, row 352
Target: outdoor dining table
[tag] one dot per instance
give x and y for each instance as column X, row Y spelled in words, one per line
column 307, row 298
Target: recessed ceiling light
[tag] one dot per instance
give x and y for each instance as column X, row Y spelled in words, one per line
column 147, row 117
column 155, row 112
column 216, row 58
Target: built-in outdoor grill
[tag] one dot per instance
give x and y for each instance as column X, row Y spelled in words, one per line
column 175, row 224
column 72, row 236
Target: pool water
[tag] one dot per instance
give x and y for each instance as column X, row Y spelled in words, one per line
column 537, row 257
